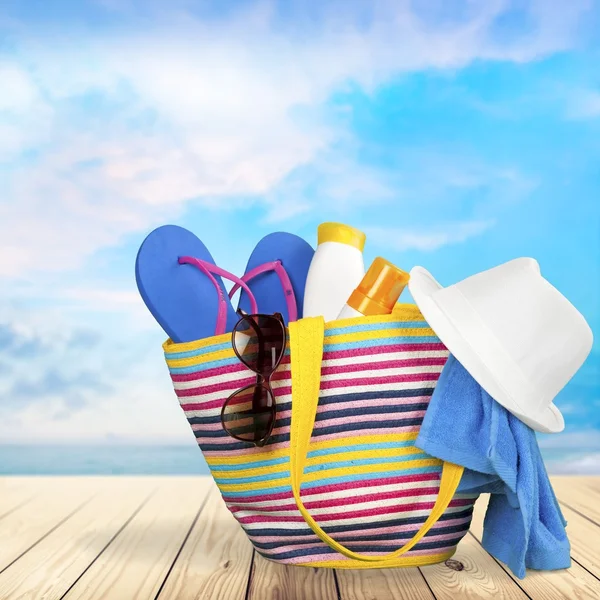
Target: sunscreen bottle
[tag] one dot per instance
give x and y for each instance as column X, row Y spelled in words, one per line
column 378, row 291
column 335, row 270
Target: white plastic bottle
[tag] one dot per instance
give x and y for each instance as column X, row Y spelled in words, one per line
column 378, row 291
column 335, row 270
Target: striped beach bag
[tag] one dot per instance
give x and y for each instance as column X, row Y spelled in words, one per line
column 340, row 482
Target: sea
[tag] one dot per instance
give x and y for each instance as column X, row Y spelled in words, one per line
column 182, row 459
column 102, row 459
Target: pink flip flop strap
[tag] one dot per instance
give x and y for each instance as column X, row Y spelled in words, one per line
column 210, row 271
column 288, row 290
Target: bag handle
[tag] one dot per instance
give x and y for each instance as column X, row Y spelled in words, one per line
column 306, row 351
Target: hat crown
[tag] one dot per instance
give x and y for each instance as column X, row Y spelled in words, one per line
column 542, row 333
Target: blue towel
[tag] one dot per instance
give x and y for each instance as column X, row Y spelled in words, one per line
column 523, row 526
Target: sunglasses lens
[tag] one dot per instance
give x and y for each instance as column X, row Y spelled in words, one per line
column 259, row 341
column 249, row 414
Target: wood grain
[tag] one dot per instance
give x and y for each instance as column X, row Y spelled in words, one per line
column 585, row 540
column 135, row 565
column 578, row 493
column 27, row 524
column 481, row 576
column 215, row 559
column 273, row 581
column 383, row 584
column 15, row 492
column 593, row 483
column 574, row 582
column 51, row 566
column 108, row 537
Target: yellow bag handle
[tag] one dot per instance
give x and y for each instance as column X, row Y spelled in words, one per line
column 306, row 351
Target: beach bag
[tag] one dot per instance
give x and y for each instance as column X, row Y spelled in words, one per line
column 340, row 482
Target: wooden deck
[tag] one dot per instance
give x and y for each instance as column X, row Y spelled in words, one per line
column 140, row 538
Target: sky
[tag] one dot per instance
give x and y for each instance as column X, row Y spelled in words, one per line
column 456, row 134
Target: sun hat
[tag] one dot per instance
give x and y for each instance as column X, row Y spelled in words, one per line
column 513, row 331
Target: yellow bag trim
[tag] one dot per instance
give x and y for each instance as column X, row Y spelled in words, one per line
column 306, row 346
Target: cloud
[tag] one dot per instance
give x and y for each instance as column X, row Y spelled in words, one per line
column 139, row 407
column 101, row 299
column 572, row 452
column 52, row 364
column 16, row 344
column 109, row 132
column 583, row 105
column 85, row 338
column 71, row 390
column 24, row 116
column 20, row 94
column 588, row 464
column 583, row 440
column 20, row 343
column 335, row 181
column 99, row 374
column 427, row 239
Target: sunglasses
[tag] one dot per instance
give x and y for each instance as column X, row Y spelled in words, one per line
column 259, row 343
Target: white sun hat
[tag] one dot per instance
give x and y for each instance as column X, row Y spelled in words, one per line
column 514, row 332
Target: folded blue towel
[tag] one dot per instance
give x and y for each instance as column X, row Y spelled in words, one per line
column 523, row 525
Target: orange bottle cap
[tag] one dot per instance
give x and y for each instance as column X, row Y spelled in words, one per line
column 380, row 288
column 342, row 234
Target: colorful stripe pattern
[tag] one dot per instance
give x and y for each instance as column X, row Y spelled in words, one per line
column 365, row 482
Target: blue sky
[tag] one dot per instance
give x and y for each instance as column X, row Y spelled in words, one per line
column 458, row 135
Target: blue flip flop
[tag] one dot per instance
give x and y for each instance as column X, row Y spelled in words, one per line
column 182, row 287
column 276, row 275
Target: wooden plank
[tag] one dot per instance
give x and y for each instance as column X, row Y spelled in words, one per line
column 585, row 540
column 580, row 494
column 54, row 564
column 383, row 584
column 273, row 581
column 574, row 481
column 481, row 576
column 574, row 582
column 594, row 484
column 215, row 559
column 14, row 492
column 31, row 521
column 77, row 552
column 137, row 562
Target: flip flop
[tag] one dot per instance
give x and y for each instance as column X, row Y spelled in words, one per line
column 182, row 287
column 276, row 274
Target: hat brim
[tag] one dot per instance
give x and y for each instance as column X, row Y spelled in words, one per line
column 422, row 286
